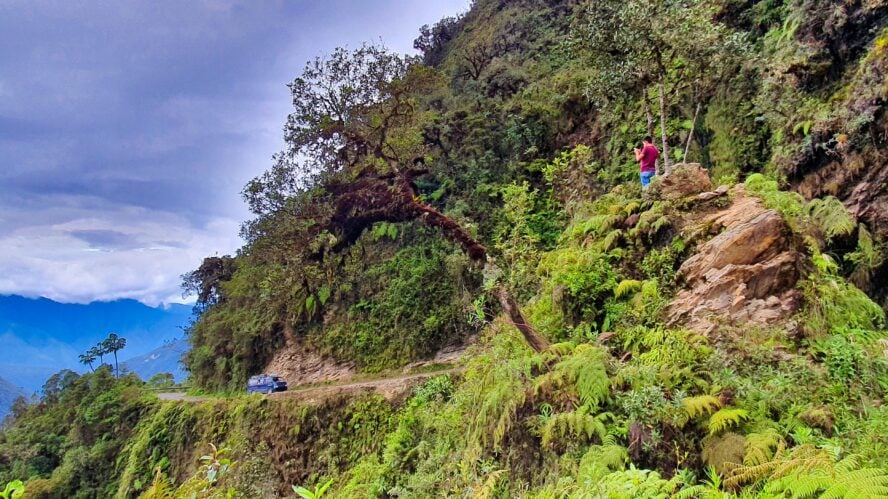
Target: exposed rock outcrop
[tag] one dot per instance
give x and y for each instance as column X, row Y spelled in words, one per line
column 745, row 274
column 300, row 365
column 706, row 196
column 862, row 186
column 686, row 179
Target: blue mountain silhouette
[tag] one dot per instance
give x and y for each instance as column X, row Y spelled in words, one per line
column 42, row 336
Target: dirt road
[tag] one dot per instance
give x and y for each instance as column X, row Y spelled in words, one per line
column 389, row 387
column 179, row 397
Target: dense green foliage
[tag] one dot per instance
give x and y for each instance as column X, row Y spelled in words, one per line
column 68, row 444
column 511, row 138
column 508, row 86
column 97, row 436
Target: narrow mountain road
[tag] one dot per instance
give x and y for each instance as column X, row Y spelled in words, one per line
column 389, row 387
column 179, row 397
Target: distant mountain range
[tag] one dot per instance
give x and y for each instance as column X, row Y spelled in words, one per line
column 165, row 359
column 46, row 336
column 8, row 394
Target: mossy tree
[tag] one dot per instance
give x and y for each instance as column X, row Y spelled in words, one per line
column 355, row 143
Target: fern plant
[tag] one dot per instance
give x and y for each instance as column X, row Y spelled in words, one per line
column 495, row 386
column 801, row 458
column 867, row 257
column 789, row 204
column 833, row 303
column 711, row 488
column 487, row 489
column 674, row 354
column 830, row 217
column 726, row 418
column 599, row 460
column 807, row 471
column 578, row 425
column 627, row 287
column 595, row 225
column 841, row 481
column 700, row 405
column 160, row 488
column 584, row 371
column 761, row 446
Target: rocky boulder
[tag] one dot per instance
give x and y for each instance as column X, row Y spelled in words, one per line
column 685, row 180
column 745, row 274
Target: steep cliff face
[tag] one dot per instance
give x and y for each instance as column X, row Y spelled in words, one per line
column 714, row 322
column 521, row 92
column 839, row 122
column 845, row 156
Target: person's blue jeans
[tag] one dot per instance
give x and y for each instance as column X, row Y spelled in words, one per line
column 646, row 179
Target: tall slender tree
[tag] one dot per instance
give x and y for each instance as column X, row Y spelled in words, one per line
column 636, row 44
column 114, row 344
column 98, row 351
column 87, row 359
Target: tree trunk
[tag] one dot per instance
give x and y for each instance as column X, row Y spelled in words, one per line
column 513, row 311
column 477, row 253
column 116, row 367
column 372, row 198
column 649, row 116
column 691, row 134
column 667, row 164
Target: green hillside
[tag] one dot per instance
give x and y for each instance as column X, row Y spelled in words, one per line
column 721, row 334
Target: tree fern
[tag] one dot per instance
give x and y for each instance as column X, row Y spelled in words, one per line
column 726, row 418
column 831, row 217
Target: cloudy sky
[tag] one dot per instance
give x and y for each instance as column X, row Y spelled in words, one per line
column 128, row 128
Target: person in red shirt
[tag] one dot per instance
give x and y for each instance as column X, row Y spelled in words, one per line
column 647, row 157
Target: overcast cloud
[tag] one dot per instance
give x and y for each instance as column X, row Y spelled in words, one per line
column 128, row 128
